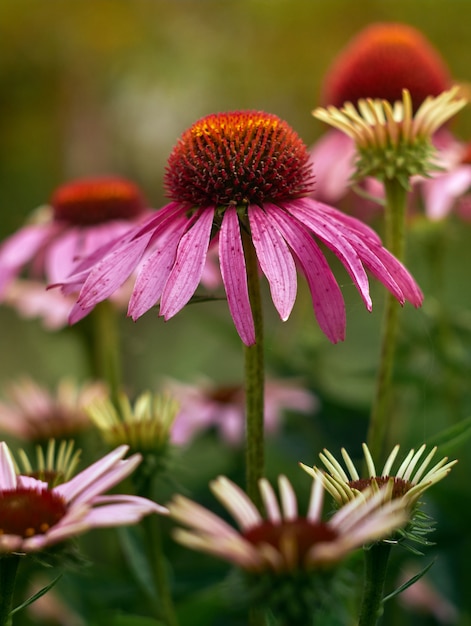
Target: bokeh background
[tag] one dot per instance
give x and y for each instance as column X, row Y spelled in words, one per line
column 107, row 86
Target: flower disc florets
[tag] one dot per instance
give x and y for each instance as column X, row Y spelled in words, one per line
column 27, row 512
column 96, row 200
column 238, row 158
column 381, row 61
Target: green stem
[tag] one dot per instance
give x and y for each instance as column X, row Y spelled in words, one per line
column 376, row 564
column 153, row 532
column 254, row 379
column 106, row 347
column 396, row 197
column 8, row 570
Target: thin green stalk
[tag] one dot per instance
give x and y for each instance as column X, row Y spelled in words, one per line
column 254, row 380
column 396, row 197
column 8, row 570
column 376, row 564
column 153, row 530
column 106, row 348
column 254, row 394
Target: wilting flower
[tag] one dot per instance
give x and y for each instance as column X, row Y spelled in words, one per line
column 284, row 541
column 223, row 406
column 379, row 63
column 54, row 465
column 410, row 480
column 33, row 413
column 83, row 216
column 34, row 516
column 238, row 174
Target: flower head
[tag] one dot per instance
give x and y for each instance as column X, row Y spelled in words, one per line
column 208, row 405
column 34, row 413
column 55, row 465
column 410, row 480
column 82, row 216
column 383, row 60
column 392, row 143
column 34, row 516
column 241, row 174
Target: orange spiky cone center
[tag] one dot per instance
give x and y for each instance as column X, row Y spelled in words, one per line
column 27, row 512
column 238, row 158
column 380, row 62
column 97, row 200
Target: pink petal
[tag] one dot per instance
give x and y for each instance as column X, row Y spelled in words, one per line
column 189, row 263
column 155, row 271
column 234, row 276
column 275, row 260
column 7, row 468
column 327, row 298
column 328, row 230
column 441, row 192
column 332, row 160
column 109, row 274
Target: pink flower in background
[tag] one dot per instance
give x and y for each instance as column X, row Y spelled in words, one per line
column 223, row 407
column 34, row 517
column 235, row 173
column 83, row 216
column 32, row 412
column 381, row 61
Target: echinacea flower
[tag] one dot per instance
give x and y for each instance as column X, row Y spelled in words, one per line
column 284, row 556
column 410, row 479
column 206, row 405
column 241, row 174
column 33, row 413
column 53, row 465
column 83, row 216
column 380, row 62
column 391, row 141
column 34, row 516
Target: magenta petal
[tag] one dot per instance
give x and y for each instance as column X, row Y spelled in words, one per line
column 275, row 260
column 188, row 267
column 155, row 271
column 112, row 271
column 234, row 276
column 326, row 295
column 328, row 231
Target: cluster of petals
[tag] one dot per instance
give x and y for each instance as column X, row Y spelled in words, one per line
column 282, row 235
column 207, row 405
column 82, row 498
column 31, row 411
column 409, row 480
column 317, row 544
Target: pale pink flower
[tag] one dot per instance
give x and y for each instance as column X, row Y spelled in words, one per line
column 244, row 171
column 83, row 216
column 34, row 517
column 283, row 541
column 424, row 598
column 33, row 412
column 207, row 405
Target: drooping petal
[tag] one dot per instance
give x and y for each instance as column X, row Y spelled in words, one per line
column 155, row 271
column 109, row 275
column 234, row 276
column 188, row 267
column 327, row 298
column 328, row 232
column 7, row 468
column 275, row 260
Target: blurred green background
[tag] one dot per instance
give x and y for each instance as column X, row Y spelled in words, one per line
column 107, row 86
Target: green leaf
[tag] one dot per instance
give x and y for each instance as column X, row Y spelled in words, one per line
column 36, row 595
column 452, row 437
column 408, row 584
column 134, row 620
column 136, row 558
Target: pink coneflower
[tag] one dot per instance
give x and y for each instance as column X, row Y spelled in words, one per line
column 207, row 405
column 232, row 172
column 284, row 541
column 34, row 413
column 34, row 517
column 82, row 216
column 378, row 63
